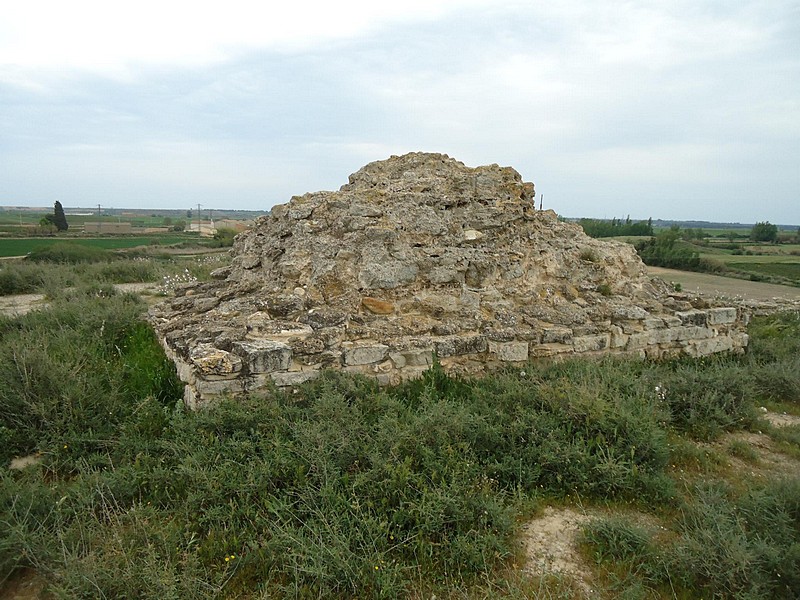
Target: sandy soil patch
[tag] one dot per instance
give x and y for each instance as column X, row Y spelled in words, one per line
column 25, row 585
column 20, row 304
column 551, row 546
column 781, row 419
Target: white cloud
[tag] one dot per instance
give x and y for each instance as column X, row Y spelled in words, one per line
column 619, row 101
column 114, row 37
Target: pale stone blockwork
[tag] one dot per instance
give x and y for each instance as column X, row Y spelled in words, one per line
column 419, row 258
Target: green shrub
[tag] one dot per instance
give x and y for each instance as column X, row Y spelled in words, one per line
column 616, row 538
column 708, row 396
column 69, row 253
column 74, row 371
column 725, row 546
column 741, row 547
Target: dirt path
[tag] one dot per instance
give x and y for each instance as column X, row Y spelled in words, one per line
column 714, row 285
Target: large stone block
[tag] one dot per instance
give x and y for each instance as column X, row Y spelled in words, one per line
column 213, row 361
column 387, row 275
column 422, row 357
column 264, row 356
column 365, row 355
column 693, row 333
column 709, row 346
column 721, row 316
column 698, row 318
column 545, row 350
column 456, row 346
column 639, row 341
column 509, row 351
column 556, row 335
column 286, row 379
column 591, row 343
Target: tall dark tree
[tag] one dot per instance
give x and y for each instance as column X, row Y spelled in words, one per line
column 59, row 218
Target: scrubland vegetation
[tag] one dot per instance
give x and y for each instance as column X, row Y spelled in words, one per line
column 51, row 269
column 342, row 489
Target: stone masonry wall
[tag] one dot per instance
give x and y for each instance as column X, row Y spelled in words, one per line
column 419, row 256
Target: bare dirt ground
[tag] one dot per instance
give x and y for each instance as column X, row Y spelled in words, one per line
column 551, row 546
column 714, row 285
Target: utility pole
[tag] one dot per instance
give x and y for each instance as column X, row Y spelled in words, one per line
column 199, row 220
column 541, row 201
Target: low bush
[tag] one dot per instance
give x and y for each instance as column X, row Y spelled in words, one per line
column 726, row 545
column 73, row 373
column 20, row 278
column 69, row 253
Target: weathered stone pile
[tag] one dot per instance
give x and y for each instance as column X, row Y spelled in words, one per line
column 420, row 255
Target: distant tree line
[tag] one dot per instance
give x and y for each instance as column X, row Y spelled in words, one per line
column 600, row 228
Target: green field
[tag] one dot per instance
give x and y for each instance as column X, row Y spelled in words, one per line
column 777, row 269
column 22, row 246
column 767, row 262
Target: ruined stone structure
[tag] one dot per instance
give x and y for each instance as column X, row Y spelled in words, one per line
column 417, row 256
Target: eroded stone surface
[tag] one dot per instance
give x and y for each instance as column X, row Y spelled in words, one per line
column 417, row 255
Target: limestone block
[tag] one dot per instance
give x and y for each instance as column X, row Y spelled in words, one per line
column 693, row 317
column 666, row 336
column 457, row 346
column 693, row 333
column 387, row 275
column 637, row 341
column 205, row 388
column 545, row 350
column 365, row 355
column 376, row 306
column 709, row 346
column 384, row 379
column 264, row 356
column 422, row 357
column 213, row 361
column 398, row 360
column 509, row 351
column 442, row 275
column 629, row 313
column 618, row 338
column 591, row 343
column 556, row 335
column 285, row 379
column 721, row 316
column 653, row 323
column 740, row 339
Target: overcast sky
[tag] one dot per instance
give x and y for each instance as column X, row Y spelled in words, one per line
column 675, row 110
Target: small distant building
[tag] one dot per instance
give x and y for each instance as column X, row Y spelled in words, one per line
column 237, row 225
column 110, row 228
column 205, row 229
